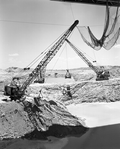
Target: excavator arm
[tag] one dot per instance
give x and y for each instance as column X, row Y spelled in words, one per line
column 18, row 93
column 80, row 54
column 48, row 57
column 101, row 74
column 41, row 66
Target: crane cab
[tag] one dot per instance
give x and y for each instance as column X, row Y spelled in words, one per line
column 103, row 75
column 39, row 80
column 12, row 89
column 67, row 75
column 41, row 77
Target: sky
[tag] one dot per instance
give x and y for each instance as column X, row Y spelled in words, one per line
column 28, row 27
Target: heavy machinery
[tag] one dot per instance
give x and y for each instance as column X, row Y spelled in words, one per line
column 100, row 72
column 41, row 76
column 67, row 75
column 16, row 92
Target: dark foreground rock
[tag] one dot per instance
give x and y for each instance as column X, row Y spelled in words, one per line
column 105, row 137
column 15, row 121
column 58, row 131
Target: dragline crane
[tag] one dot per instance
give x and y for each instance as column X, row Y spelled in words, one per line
column 101, row 73
column 16, row 92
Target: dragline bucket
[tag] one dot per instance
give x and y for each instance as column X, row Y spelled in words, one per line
column 67, row 75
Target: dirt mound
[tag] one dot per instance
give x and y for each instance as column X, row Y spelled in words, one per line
column 92, row 91
column 13, row 69
column 15, row 121
column 85, row 91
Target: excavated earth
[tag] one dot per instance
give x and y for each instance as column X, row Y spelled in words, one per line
column 15, row 122
column 54, row 117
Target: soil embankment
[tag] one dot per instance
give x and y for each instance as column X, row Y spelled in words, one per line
column 15, row 121
column 82, row 92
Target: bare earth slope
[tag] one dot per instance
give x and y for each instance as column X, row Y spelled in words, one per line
column 14, row 121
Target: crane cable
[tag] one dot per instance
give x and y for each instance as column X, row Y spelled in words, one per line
column 57, row 59
column 72, row 11
column 66, row 57
column 62, row 52
column 42, row 53
column 45, row 51
column 40, row 56
column 85, row 54
column 78, row 30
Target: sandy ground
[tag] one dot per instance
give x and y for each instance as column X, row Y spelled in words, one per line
column 103, row 120
column 59, row 80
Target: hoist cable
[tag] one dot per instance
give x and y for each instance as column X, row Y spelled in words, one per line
column 44, row 52
column 35, row 23
column 72, row 11
column 58, row 58
column 42, row 23
column 61, row 52
column 66, row 57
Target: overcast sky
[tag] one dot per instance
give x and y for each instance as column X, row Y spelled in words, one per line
column 28, row 27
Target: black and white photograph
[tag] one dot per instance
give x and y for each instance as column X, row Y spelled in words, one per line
column 59, row 74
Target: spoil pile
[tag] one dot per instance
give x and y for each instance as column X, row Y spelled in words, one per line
column 85, row 91
column 15, row 121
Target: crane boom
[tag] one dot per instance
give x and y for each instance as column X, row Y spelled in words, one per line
column 80, row 54
column 16, row 92
column 48, row 57
column 101, row 74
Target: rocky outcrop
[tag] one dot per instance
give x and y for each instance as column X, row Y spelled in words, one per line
column 15, row 121
column 96, row 91
column 83, row 91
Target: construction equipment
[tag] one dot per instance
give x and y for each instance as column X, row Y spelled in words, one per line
column 67, row 75
column 41, row 77
column 100, row 72
column 17, row 92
